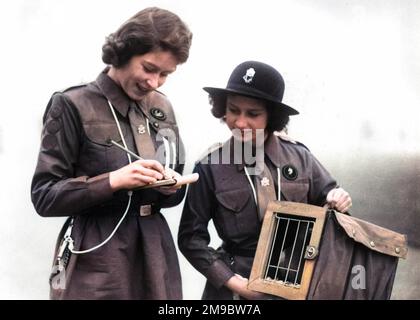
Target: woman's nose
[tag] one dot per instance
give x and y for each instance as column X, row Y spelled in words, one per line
column 241, row 122
column 153, row 81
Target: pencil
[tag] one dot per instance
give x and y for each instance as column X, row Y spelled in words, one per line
column 126, row 150
column 165, row 175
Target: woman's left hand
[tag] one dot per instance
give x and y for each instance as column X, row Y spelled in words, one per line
column 169, row 173
column 339, row 199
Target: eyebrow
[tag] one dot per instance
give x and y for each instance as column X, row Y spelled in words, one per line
column 157, row 68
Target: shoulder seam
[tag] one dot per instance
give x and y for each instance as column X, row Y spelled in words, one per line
column 73, row 87
column 286, row 138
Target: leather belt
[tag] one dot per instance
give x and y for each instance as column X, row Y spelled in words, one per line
column 144, row 210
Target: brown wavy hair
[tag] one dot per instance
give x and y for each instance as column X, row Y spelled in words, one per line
column 149, row 30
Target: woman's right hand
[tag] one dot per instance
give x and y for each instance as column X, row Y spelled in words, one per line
column 136, row 174
column 239, row 285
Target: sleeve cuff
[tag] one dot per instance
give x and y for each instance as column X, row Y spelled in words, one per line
column 219, row 273
column 100, row 188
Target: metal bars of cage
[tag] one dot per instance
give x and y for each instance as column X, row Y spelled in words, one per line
column 291, row 236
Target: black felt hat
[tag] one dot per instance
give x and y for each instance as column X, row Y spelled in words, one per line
column 257, row 80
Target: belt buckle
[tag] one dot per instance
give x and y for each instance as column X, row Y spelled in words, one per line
column 145, row 210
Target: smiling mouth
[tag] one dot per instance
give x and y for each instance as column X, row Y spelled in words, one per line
column 142, row 90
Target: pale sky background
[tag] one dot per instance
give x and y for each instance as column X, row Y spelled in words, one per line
column 352, row 68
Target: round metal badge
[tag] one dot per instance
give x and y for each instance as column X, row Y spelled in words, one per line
column 158, row 114
column 289, row 172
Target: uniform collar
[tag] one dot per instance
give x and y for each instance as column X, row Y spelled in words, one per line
column 271, row 150
column 113, row 92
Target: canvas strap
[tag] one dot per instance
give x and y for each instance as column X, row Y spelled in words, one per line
column 265, row 190
column 139, row 127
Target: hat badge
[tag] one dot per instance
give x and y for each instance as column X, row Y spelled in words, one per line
column 249, row 75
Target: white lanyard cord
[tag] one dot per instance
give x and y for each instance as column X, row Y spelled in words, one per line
column 278, row 185
column 119, row 129
column 253, row 187
column 71, row 246
column 130, row 193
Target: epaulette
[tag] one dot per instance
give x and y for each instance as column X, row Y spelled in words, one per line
column 283, row 136
column 83, row 84
column 209, row 151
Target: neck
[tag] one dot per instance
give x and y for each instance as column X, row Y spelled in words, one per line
column 113, row 74
column 260, row 142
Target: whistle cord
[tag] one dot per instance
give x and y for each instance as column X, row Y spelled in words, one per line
column 68, row 238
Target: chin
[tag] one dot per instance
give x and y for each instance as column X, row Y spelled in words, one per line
column 138, row 94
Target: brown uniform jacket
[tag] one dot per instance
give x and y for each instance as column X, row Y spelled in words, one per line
column 224, row 195
column 72, row 179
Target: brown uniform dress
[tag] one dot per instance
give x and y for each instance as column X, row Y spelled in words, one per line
column 72, row 179
column 224, row 195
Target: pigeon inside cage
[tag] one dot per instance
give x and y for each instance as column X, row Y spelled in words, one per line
column 287, row 251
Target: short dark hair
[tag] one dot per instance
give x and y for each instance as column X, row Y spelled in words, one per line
column 149, row 30
column 277, row 118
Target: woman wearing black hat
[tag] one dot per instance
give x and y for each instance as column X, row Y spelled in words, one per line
column 238, row 178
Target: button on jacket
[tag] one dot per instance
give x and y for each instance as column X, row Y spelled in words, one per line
column 72, row 179
column 224, row 195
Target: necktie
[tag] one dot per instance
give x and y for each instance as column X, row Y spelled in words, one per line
column 144, row 143
column 265, row 190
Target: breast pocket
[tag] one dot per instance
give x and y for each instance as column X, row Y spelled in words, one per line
column 99, row 155
column 296, row 191
column 234, row 211
column 102, row 133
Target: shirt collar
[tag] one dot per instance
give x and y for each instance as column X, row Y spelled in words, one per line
column 113, row 92
column 272, row 149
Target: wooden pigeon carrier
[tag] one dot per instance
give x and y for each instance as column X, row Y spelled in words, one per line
column 310, row 252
